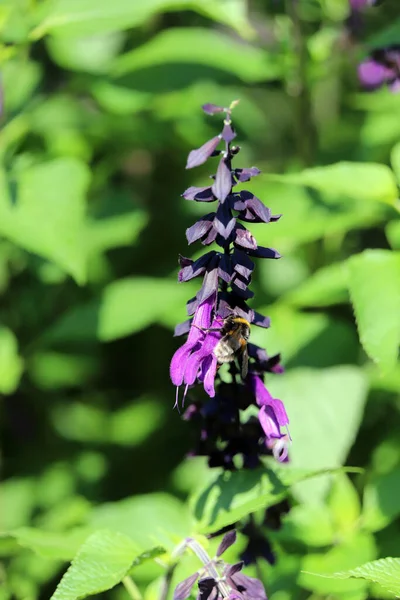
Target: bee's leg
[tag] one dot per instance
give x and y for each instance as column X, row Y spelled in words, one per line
column 207, row 329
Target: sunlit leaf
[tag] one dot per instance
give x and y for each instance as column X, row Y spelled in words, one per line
column 385, row 571
column 74, row 18
column 325, row 408
column 365, row 181
column 325, row 287
column 47, row 215
column 374, row 284
column 200, row 46
column 102, row 561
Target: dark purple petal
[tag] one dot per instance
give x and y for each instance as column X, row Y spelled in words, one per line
column 183, row 589
column 199, row 156
column 225, row 269
column 184, row 261
column 206, row 586
column 199, row 194
column 262, row 252
column 254, row 589
column 255, row 206
column 222, row 185
column 245, row 174
column 359, row 4
column 212, row 109
column 194, row 269
column 210, row 285
column 242, row 263
column 245, row 239
column 227, row 541
column 256, row 352
column 182, row 328
column 200, row 229
column 240, row 288
column 210, row 238
column 228, row 133
column 191, row 305
column 233, row 569
column 261, row 321
column 224, row 222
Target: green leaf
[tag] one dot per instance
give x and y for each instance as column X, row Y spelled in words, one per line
column 236, row 494
column 321, row 215
column 346, row 555
column 101, row 563
column 393, row 234
column 149, row 520
column 71, row 18
column 92, row 54
column 310, row 524
column 381, row 501
column 366, row 181
column 11, row 364
column 55, row 546
column 395, row 160
column 131, row 304
column 344, row 504
column 200, row 46
column 114, row 232
column 325, row 408
column 385, row 571
column 48, row 214
column 374, row 285
column 325, row 287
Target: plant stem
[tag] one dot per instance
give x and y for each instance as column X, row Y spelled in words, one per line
column 166, row 584
column 132, row 588
column 305, row 128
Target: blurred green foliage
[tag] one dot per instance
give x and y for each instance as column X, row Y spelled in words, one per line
column 101, row 106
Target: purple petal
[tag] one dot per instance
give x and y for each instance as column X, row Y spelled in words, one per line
column 224, row 222
column 261, row 321
column 254, row 588
column 395, row 86
column 245, row 174
column 233, row 569
column 212, row 109
column 194, row 269
column 242, row 263
column 225, row 268
column 209, row 376
column 227, row 541
column 255, row 206
column 200, row 228
column 183, row 589
column 241, row 288
column 372, row 74
column 222, row 185
column 178, row 362
column 262, row 252
column 199, row 156
column 244, row 238
column 228, row 133
column 210, row 285
column 210, row 238
column 259, row 390
column 200, row 194
column 202, row 318
column 206, row 587
column 182, row 328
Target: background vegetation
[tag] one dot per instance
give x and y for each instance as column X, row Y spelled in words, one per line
column 101, row 106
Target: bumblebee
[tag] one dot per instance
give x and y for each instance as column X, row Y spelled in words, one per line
column 233, row 344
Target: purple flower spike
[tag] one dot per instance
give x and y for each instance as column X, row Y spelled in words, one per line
column 218, row 330
column 227, row 541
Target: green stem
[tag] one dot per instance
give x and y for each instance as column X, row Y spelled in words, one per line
column 305, row 128
column 132, row 588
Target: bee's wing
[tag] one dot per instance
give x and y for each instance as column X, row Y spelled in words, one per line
column 244, row 362
column 233, row 341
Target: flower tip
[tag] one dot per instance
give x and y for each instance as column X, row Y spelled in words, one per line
column 233, row 104
column 227, row 541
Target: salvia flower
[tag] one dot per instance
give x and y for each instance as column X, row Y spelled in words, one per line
column 217, row 579
column 381, row 68
column 220, row 318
